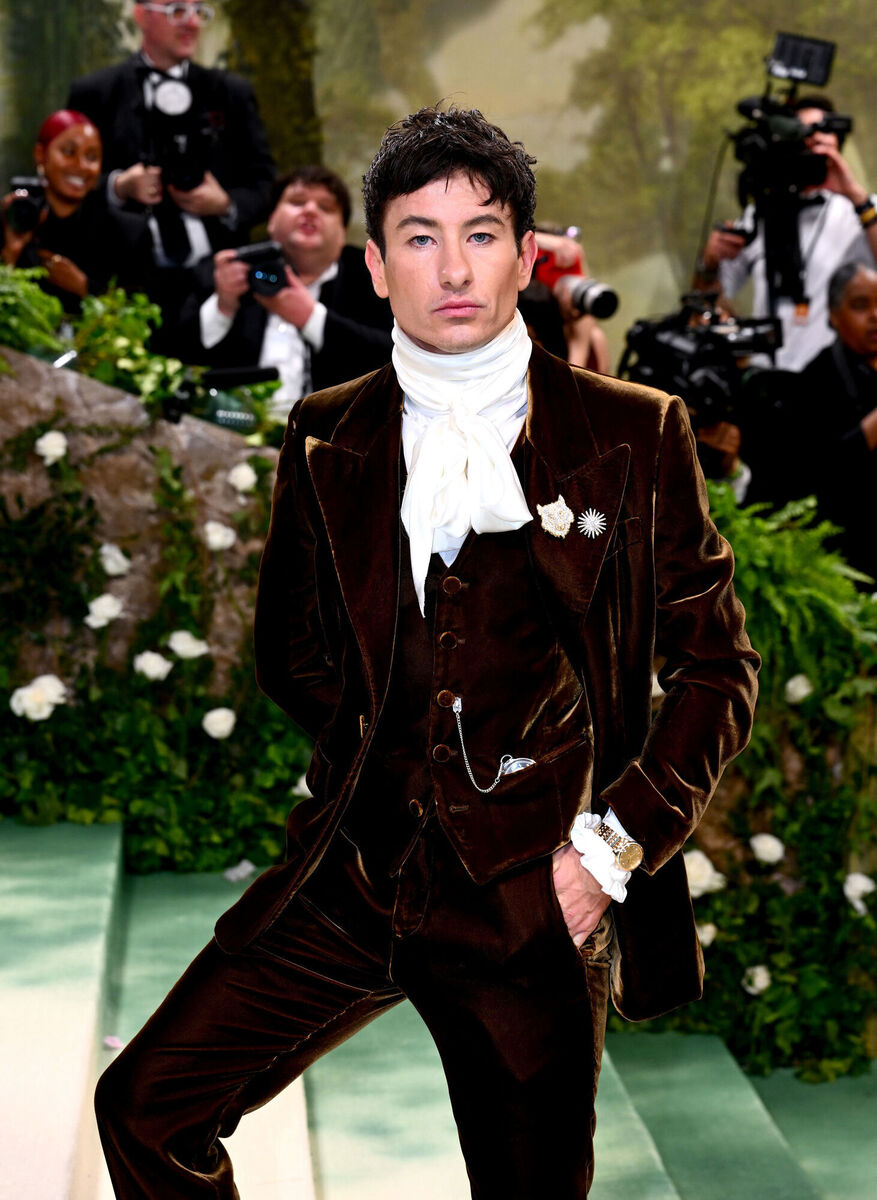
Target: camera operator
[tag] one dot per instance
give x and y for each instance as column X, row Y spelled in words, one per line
column 184, row 145
column 325, row 324
column 56, row 220
column 837, row 222
column 561, row 266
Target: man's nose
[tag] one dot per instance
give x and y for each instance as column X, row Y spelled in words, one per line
column 455, row 269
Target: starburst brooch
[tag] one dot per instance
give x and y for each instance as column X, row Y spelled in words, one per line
column 591, row 523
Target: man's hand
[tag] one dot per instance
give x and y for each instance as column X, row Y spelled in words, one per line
column 582, row 901
column 294, row 304
column 208, row 199
column 839, row 178
column 139, row 183
column 722, row 244
column 230, row 281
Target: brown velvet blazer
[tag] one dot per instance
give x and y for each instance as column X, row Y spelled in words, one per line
column 657, row 582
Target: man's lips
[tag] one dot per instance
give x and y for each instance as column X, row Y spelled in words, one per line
column 458, row 308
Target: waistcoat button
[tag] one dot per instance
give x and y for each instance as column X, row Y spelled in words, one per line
column 415, row 808
column 445, row 699
column 448, row 640
column 451, row 585
column 441, row 753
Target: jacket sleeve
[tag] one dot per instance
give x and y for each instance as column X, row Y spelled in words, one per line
column 294, row 666
column 709, row 676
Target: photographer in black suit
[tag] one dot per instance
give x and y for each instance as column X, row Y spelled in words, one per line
column 326, row 325
column 184, row 146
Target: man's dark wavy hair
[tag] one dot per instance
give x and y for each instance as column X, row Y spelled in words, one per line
column 435, row 144
column 315, row 175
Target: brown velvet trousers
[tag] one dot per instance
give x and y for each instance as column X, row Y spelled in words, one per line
column 517, row 1013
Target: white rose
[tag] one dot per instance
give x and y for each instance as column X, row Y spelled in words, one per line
column 38, row 699
column 243, row 870
column 301, row 786
column 856, row 887
column 702, row 875
column 242, row 477
column 767, row 848
column 756, row 980
column 219, row 722
column 798, row 688
column 186, row 645
column 219, row 536
column 706, row 933
column 103, row 610
column 152, row 665
column 51, row 446
column 113, row 561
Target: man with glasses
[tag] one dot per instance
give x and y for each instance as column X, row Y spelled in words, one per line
column 184, row 145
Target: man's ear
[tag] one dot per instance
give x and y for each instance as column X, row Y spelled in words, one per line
column 526, row 258
column 375, row 263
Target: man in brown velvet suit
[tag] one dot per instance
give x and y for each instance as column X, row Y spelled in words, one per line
column 474, row 555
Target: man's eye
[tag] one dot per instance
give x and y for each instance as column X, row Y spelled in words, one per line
column 481, row 239
column 421, row 239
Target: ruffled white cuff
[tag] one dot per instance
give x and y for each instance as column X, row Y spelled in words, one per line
column 597, row 856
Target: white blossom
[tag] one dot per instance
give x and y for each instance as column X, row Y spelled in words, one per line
column 51, row 447
column 242, row 477
column 152, row 665
column 243, row 870
column 767, row 848
column 856, row 886
column 756, row 980
column 104, row 609
column 186, row 645
column 301, row 787
column 113, row 561
column 39, row 698
column 706, row 933
column 219, row 722
column 702, row 875
column 219, row 536
column 798, row 688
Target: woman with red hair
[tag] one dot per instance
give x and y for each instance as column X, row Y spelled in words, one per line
column 65, row 225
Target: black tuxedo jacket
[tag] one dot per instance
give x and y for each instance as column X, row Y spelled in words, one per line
column 357, row 334
column 657, row 580
column 241, row 159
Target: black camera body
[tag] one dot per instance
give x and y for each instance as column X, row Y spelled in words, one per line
column 180, row 134
column 26, row 210
column 267, row 265
column 773, row 149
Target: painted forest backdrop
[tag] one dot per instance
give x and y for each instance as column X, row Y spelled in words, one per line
column 625, row 104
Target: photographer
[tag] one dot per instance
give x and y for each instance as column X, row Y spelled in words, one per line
column 325, row 324
column 838, row 425
column 837, row 222
column 560, row 266
column 184, row 145
column 57, row 221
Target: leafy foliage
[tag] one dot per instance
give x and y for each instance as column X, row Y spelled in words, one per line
column 29, row 319
column 809, row 778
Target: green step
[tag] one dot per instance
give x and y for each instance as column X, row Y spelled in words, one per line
column 831, row 1128
column 58, row 889
column 714, row 1135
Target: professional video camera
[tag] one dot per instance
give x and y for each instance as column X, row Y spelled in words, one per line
column 777, row 164
column 267, row 274
column 25, row 212
column 699, row 355
column 180, row 134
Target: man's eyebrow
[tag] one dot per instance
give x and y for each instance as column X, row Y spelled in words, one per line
column 486, row 218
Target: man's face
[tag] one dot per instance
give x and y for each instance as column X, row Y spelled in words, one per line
column 167, row 43
column 307, row 222
column 817, row 141
column 451, row 268
column 855, row 319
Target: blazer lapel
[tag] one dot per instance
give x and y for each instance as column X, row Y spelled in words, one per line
column 356, row 479
column 567, row 469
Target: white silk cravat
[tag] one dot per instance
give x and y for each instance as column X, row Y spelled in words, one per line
column 462, row 415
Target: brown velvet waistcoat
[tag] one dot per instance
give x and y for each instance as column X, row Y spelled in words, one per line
column 656, row 580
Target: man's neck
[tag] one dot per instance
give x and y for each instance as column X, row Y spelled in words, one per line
column 310, row 267
column 161, row 62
